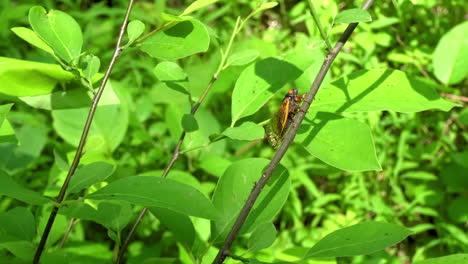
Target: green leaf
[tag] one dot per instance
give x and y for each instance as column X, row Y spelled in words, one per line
column 32, row 38
column 134, row 29
column 189, row 123
column 72, row 98
column 182, row 40
column 246, row 131
column 12, row 189
column 88, row 175
column 234, row 187
column 179, row 224
column 265, row 6
column 354, row 15
column 17, row 224
column 242, row 57
column 457, row 210
column 158, row 192
column 262, row 237
column 168, row 17
column 449, row 59
column 17, row 77
column 196, row 6
column 342, row 142
column 172, row 75
column 108, row 127
column 92, row 67
column 258, row 83
column 376, row 90
column 361, row 239
column 59, row 30
column 452, row 259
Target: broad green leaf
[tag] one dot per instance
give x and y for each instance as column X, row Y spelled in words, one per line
column 108, row 127
column 262, row 237
column 32, row 38
column 12, row 189
column 111, row 214
column 72, row 98
column 189, row 123
column 342, row 142
column 59, row 30
column 184, row 39
column 376, row 90
column 450, row 259
column 17, row 224
column 361, row 239
column 92, row 67
column 449, row 59
column 88, row 175
column 242, row 57
column 215, row 165
column 457, row 209
column 134, row 29
column 172, row 75
column 258, row 83
column 27, row 78
column 179, row 224
column 168, row 17
column 234, row 187
column 246, row 131
column 265, row 6
column 196, row 6
column 354, row 15
column 158, row 192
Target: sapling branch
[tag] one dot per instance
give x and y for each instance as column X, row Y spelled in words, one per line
column 287, row 141
column 177, row 152
column 84, row 135
column 314, row 15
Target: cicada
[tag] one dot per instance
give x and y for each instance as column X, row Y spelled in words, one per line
column 283, row 119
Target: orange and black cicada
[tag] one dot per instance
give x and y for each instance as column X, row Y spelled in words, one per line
column 284, row 118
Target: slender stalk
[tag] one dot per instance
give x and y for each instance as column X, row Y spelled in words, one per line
column 288, row 139
column 316, row 18
column 84, row 135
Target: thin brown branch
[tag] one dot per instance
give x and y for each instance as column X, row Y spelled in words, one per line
column 288, row 139
column 175, row 156
column 455, row 97
column 84, row 135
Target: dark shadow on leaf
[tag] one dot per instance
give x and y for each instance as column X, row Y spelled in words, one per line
column 276, row 72
column 421, row 86
column 181, row 30
column 176, row 85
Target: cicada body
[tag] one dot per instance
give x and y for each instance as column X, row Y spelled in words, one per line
column 284, row 117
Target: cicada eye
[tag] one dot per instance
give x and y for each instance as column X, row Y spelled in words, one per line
column 291, row 91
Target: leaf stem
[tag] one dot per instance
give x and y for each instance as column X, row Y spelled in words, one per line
column 316, row 18
column 84, row 135
column 287, row 141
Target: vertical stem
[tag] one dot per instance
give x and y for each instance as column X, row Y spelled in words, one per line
column 316, row 18
column 84, row 135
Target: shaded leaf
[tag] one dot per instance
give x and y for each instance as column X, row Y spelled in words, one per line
column 242, row 57
column 361, row 239
column 184, row 39
column 189, row 123
column 92, row 67
column 262, row 237
column 88, row 175
column 12, row 189
column 234, row 187
column 179, row 224
column 17, row 224
column 158, row 192
column 134, row 29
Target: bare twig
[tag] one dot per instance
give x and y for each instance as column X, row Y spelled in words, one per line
column 84, row 135
column 455, row 97
column 288, row 139
column 316, row 18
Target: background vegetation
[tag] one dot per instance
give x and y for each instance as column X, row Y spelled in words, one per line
column 423, row 184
